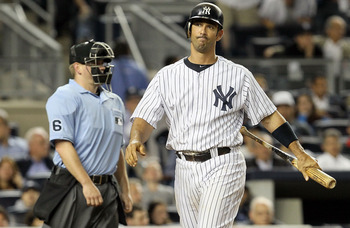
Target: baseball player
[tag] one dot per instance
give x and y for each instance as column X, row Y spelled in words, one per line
column 204, row 97
column 86, row 128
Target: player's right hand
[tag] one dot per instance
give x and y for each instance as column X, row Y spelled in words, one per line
column 92, row 195
column 133, row 148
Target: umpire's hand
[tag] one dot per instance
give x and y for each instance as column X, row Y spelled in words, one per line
column 133, row 148
column 92, row 194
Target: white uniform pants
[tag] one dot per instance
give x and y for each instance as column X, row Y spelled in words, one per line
column 208, row 193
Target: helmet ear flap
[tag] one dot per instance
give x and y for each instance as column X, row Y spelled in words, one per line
column 188, row 29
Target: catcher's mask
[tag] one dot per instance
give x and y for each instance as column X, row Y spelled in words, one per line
column 205, row 11
column 97, row 55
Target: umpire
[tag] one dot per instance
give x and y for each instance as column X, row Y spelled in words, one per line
column 86, row 128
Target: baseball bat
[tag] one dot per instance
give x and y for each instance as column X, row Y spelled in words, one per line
column 316, row 174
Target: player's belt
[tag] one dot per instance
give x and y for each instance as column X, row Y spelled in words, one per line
column 201, row 156
column 96, row 179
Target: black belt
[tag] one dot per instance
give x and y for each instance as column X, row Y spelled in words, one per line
column 101, row 179
column 202, row 156
column 96, row 179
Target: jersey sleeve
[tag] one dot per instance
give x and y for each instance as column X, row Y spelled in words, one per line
column 150, row 107
column 61, row 110
column 257, row 105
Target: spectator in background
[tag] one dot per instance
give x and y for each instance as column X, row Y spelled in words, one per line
column 306, row 111
column 29, row 196
column 71, row 18
column 32, row 220
column 39, row 161
column 332, row 159
column 11, row 146
column 137, row 217
column 4, row 217
column 263, row 158
column 326, row 9
column 136, row 192
column 132, row 97
column 248, row 144
column 335, row 46
column 284, row 16
column 153, row 189
column 327, row 104
column 262, row 211
column 126, row 72
column 302, row 46
column 158, row 214
column 243, row 17
column 84, row 22
column 285, row 104
column 243, row 211
column 261, row 79
column 347, row 143
column 10, row 177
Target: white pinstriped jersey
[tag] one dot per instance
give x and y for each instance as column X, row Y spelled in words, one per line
column 204, row 109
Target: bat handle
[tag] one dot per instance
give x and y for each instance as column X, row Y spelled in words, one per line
column 321, row 177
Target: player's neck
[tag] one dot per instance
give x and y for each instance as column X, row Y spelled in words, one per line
column 202, row 59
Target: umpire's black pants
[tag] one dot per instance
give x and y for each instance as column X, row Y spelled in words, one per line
column 73, row 211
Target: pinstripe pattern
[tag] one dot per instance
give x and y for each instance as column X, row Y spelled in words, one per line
column 209, row 193
column 205, row 110
column 187, row 98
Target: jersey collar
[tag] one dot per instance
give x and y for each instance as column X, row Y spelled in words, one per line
column 196, row 67
column 78, row 87
column 103, row 96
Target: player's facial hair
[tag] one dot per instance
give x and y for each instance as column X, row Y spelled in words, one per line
column 202, row 47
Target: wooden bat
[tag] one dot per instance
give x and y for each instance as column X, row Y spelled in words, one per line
column 315, row 174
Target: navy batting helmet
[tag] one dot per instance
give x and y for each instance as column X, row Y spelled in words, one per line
column 89, row 53
column 206, row 11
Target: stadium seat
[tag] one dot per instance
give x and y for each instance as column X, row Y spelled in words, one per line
column 9, row 197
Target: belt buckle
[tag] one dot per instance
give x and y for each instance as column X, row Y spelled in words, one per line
column 189, row 155
column 100, row 179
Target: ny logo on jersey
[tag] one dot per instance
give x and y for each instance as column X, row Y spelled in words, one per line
column 219, row 95
column 206, row 10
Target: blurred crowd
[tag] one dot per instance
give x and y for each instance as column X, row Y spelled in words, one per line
column 253, row 28
column 289, row 28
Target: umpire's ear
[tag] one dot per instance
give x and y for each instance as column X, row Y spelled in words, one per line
column 219, row 35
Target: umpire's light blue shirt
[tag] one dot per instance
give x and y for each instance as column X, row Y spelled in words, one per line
column 94, row 125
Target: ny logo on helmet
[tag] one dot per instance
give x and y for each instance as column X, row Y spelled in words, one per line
column 206, row 10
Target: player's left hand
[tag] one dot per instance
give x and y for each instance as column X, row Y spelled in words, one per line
column 305, row 162
column 133, row 148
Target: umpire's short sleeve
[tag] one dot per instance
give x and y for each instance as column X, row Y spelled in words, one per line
column 61, row 110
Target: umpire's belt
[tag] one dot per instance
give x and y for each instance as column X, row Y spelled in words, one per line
column 201, row 156
column 96, row 179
